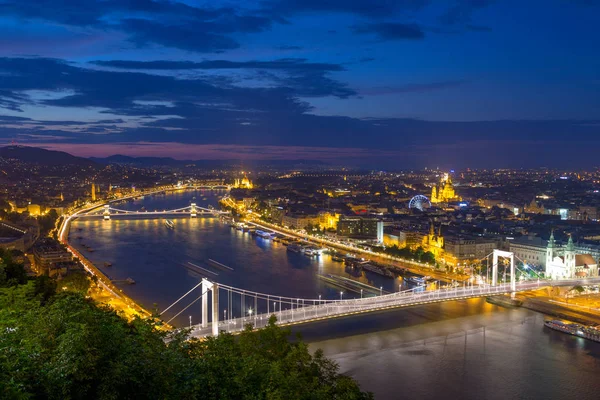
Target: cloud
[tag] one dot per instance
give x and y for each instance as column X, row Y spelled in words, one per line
column 460, row 14
column 287, row 64
column 391, row 31
column 364, row 8
column 296, row 74
column 412, row 87
column 166, row 23
column 288, row 47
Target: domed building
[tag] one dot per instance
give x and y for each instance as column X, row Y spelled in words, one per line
column 444, row 192
column 243, row 183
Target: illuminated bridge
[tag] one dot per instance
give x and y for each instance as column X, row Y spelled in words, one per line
column 107, row 212
column 232, row 308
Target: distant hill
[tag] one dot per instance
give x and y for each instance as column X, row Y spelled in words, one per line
column 140, row 161
column 43, row 156
column 171, row 162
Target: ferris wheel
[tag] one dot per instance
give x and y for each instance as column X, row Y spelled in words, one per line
column 419, row 202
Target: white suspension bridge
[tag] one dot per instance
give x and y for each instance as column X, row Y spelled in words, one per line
column 231, row 308
column 107, row 211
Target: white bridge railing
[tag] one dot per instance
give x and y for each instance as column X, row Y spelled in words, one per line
column 314, row 310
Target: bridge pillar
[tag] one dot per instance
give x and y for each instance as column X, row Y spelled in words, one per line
column 204, row 288
column 215, row 309
column 193, row 211
column 513, row 278
column 106, row 212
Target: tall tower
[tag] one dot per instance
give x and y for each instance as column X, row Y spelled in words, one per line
column 93, row 191
column 570, row 256
column 550, row 250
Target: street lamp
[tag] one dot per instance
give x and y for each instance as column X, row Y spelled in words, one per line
column 381, row 290
column 341, row 294
column 250, row 312
column 361, row 292
column 190, row 322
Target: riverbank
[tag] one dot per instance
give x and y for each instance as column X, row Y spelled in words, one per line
column 408, row 265
column 113, row 296
column 540, row 302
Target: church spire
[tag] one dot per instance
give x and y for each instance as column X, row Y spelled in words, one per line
column 551, row 240
column 570, row 244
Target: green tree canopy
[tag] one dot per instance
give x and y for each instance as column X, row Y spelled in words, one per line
column 64, row 346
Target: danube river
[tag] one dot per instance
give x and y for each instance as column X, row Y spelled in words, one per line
column 162, row 261
column 460, row 350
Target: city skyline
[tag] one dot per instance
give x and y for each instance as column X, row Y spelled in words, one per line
column 379, row 84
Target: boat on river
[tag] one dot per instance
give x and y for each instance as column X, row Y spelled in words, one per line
column 377, row 269
column 586, row 332
column 295, row 248
column 169, row 224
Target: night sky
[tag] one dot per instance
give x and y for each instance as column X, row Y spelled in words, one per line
column 383, row 83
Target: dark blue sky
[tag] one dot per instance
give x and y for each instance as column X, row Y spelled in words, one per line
column 477, row 83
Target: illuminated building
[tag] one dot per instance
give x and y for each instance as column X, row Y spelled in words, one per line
column 328, row 220
column 243, row 183
column 444, row 192
column 570, row 265
column 434, row 241
column 358, row 227
column 93, row 191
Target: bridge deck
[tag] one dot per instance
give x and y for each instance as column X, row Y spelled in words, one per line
column 316, row 311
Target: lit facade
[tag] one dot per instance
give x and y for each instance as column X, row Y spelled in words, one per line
column 444, row 192
column 243, row 183
column 569, row 265
column 434, row 242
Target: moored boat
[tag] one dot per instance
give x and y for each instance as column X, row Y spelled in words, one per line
column 586, row 332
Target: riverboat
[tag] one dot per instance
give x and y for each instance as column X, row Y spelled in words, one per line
column 295, row 248
column 586, row 332
column 169, row 224
column 417, row 280
column 377, row 270
column 264, row 234
column 337, row 258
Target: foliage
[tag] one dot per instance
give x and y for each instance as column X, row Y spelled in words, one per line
column 76, row 281
column 406, row 252
column 47, row 222
column 11, row 273
column 64, row 346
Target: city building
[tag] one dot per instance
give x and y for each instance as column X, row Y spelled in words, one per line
column 444, row 192
column 51, row 258
column 530, row 250
column 570, row 264
column 465, row 250
column 243, row 183
column 299, row 221
column 360, row 228
column 328, row 220
column 434, row 241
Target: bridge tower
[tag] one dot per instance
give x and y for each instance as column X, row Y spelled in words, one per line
column 106, row 212
column 214, row 288
column 193, row 211
column 507, row 254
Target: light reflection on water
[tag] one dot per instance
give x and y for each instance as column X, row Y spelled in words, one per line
column 456, row 350
column 460, row 350
column 156, row 257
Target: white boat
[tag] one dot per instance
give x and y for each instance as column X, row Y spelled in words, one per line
column 264, row 234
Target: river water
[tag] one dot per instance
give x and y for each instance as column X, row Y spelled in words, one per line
column 455, row 350
column 158, row 259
